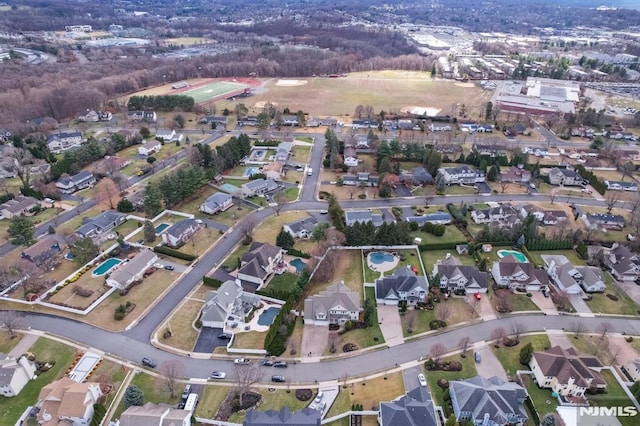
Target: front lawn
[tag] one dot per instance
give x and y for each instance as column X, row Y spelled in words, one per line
column 460, row 312
column 210, row 400
column 369, row 393
column 183, row 335
column 468, row 371
column 290, row 194
column 268, row 230
column 523, row 303
column 273, row 400
column 509, row 357
column 154, row 390
column 362, row 337
column 601, row 303
column 614, row 397
column 7, row 343
column 249, row 340
column 232, row 262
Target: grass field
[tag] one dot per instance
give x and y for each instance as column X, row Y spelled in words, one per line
column 213, row 89
column 154, row 390
column 369, row 393
column 510, row 357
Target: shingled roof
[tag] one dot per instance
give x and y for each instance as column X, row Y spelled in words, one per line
column 564, row 364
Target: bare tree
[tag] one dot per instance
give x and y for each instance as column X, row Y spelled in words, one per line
column 615, row 352
column 464, row 344
column 577, row 328
column 611, row 199
column 107, row 193
column 604, row 328
column 359, row 111
column 634, row 209
column 517, row 330
column 504, row 300
column 171, row 370
column 552, row 196
column 504, row 183
column 22, row 163
column 279, row 200
column 246, row 376
column 334, row 238
column 627, row 169
column 411, row 320
column 247, row 226
column 437, row 351
column 11, row 321
column 444, row 311
column 497, row 335
column 427, row 200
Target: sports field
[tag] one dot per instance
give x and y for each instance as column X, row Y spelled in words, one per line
column 213, row 90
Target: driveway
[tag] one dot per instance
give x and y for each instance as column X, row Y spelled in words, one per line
column 560, row 339
column 314, row 340
column 208, row 340
column 622, row 350
column 390, row 325
column 544, row 303
column 489, row 365
column 580, row 305
column 484, row 308
column 410, row 378
column 403, row 191
column 631, row 288
column 483, row 188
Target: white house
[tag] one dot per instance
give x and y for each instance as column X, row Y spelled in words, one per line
column 573, row 279
column 62, row 141
column 15, row 374
column 216, row 203
column 259, row 263
column 565, row 177
column 461, row 175
column 501, row 214
column 439, row 127
column 149, row 148
column 258, row 187
column 508, row 272
column 456, row 277
column 229, row 301
column 133, row 270
column 615, row 185
column 81, row 180
column 180, row 232
column 335, row 305
column 169, row 135
column 67, row 402
column 301, row 228
column 17, row 206
column 350, row 156
column 403, row 284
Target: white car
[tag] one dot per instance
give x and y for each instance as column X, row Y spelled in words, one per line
column 318, row 397
column 218, row 375
column 422, row 380
column 241, row 361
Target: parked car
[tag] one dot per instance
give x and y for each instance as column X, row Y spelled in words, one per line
column 224, row 336
column 218, row 375
column 318, row 397
column 148, row 362
column 267, row 362
column 280, row 364
column 186, row 392
column 241, row 361
column 422, row 380
column 278, row 379
column 476, row 356
column 169, row 267
column 324, row 211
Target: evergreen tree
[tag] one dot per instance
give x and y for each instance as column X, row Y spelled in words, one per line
column 483, row 165
column 494, row 173
column 284, row 240
column 526, row 353
column 149, row 232
column 336, row 214
column 21, row 231
column 133, row 396
column 125, row 206
column 451, row 421
column 152, row 201
column 84, row 250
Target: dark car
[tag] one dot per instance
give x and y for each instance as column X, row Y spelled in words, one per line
column 278, row 379
column 266, row 363
column 169, row 267
column 477, row 357
column 224, row 336
column 280, row 364
column 186, row 392
column 148, row 362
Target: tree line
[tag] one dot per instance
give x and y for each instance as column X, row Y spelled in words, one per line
column 161, row 103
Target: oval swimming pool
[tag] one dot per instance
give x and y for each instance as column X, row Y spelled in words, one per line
column 520, row 257
column 379, row 257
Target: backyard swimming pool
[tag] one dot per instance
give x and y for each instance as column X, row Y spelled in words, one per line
column 520, row 257
column 161, row 227
column 266, row 317
column 250, row 171
column 106, row 266
column 379, row 257
column 298, row 264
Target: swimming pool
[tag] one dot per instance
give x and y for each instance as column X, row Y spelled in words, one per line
column 520, row 257
column 379, row 257
column 298, row 264
column 266, row 317
column 161, row 227
column 106, row 266
column 251, row 171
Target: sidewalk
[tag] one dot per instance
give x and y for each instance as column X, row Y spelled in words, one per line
column 23, row 345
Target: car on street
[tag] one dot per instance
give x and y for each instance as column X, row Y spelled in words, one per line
column 280, row 364
column 422, row 380
column 278, row 379
column 169, row 267
column 241, row 361
column 324, row 211
column 267, row 363
column 148, row 362
column 585, row 190
column 218, row 375
column 476, row 356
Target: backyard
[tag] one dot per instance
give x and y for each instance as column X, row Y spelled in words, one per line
column 452, row 235
column 408, row 257
column 614, row 397
column 430, row 257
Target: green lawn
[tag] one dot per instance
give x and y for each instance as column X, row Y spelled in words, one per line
column 364, row 337
column 7, row 343
column 235, row 182
column 232, row 261
column 615, row 397
column 430, row 257
column 410, row 257
column 468, row 371
column 154, row 390
column 421, row 318
column 45, row 350
column 460, row 190
column 210, row 401
column 290, row 194
column 128, row 227
column 509, row 357
column 600, row 303
column 523, row 303
column 283, row 282
column 451, row 235
column 570, row 254
column 541, row 398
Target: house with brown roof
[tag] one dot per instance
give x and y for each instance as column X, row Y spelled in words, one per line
column 151, row 414
column 511, row 273
column 566, row 372
column 335, row 305
column 515, row 174
column 258, row 264
column 65, row 402
column 45, row 253
column 18, row 206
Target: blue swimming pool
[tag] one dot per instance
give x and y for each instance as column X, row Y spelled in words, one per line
column 298, row 264
column 106, row 266
column 520, row 257
column 161, row 227
column 251, row 171
column 266, row 317
column 379, row 257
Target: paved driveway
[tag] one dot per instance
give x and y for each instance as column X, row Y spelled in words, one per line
column 489, row 365
column 631, row 288
column 208, row 340
column 390, row 325
column 410, row 378
column 560, row 339
column 484, row 308
column 622, row 350
column 580, row 305
column 544, row 303
column 314, row 340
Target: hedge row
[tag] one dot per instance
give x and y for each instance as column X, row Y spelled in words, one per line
column 550, row 244
column 593, row 180
column 173, row 253
column 295, row 252
column 211, row 282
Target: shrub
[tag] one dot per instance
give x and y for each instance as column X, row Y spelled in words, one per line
column 304, row 394
column 362, row 196
column 173, row 253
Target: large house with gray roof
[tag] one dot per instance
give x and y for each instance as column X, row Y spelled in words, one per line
column 228, row 302
column 18, row 206
column 511, row 273
column 415, row 408
column 455, row 277
column 99, row 224
column 129, row 272
column 45, row 253
column 301, row 228
column 283, row 151
column 151, row 414
column 305, row 417
column 258, row 187
column 81, row 180
column 15, row 374
column 335, row 305
column 565, row 177
column 624, row 264
column 461, row 175
column 439, row 218
column 258, row 264
column 403, row 284
column 62, row 141
column 573, row 279
column 416, row 176
column 180, row 232
column 362, row 216
column 488, row 401
column 361, row 179
column 217, row 203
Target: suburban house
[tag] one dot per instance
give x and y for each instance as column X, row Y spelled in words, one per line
column 565, row 177
column 633, row 368
column 464, row 175
column 168, row 135
column 258, row 187
column 290, row 120
column 335, row 305
column 440, row 218
column 228, row 303
column 305, row 417
column 301, row 228
column 283, row 151
column 604, row 221
column 220, row 120
column 258, row 264
column 216, row 203
column 360, row 179
column 573, row 279
column 456, row 277
column 81, row 180
column 273, row 170
column 362, row 216
column 617, row 185
column 110, row 164
column 180, row 232
column 94, row 116
column 504, row 214
column 45, row 253
column 62, row 141
column 515, row 174
column 403, row 285
column 566, row 372
column 148, row 116
column 516, row 129
column 545, row 217
column 67, row 402
column 362, row 142
column 416, row 176
column 151, row 414
column 489, row 149
column 149, row 148
column 18, row 206
column 436, row 127
column 350, row 156
column 488, row 402
column 15, row 374
column 97, row 225
column 509, row 272
column 629, row 154
column 624, row 264
column 415, row 408
column 129, row 272
column 363, row 124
